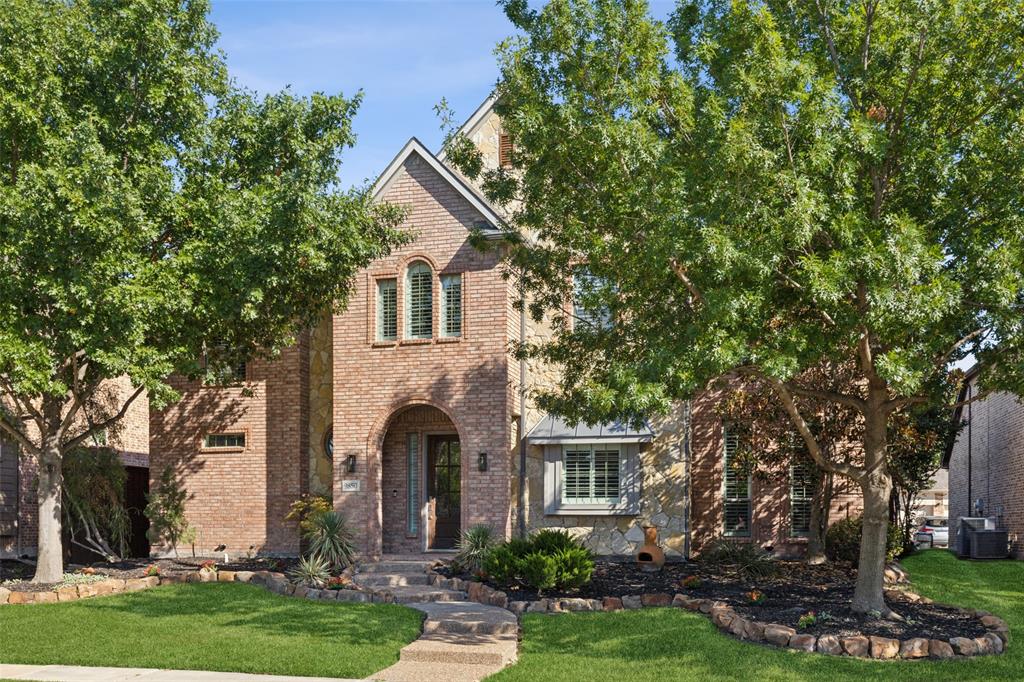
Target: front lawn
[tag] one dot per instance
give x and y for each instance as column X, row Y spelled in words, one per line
column 223, row 626
column 674, row 644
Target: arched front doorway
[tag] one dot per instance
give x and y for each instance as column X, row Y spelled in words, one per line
column 421, row 481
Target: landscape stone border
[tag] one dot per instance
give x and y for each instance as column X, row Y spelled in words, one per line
column 994, row 641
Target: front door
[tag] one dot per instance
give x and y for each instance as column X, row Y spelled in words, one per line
column 444, row 486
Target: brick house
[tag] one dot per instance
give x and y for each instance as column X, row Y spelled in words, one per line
column 18, row 482
column 986, row 463
column 408, row 410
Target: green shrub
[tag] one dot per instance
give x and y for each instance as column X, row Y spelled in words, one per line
column 519, row 547
column 330, row 539
column 540, row 571
column 474, row 545
column 745, row 558
column 575, row 566
column 502, row 564
column 312, row 571
column 842, row 541
column 549, row 541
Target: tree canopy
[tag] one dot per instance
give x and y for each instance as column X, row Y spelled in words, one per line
column 152, row 213
column 766, row 187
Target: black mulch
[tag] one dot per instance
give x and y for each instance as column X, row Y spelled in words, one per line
column 795, row 590
column 20, row 573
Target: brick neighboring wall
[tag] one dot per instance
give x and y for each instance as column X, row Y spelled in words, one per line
column 466, row 378
column 770, row 524
column 240, row 497
column 996, row 438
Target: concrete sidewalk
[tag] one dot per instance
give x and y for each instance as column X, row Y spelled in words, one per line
column 73, row 673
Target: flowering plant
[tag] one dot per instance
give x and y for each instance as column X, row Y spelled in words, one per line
column 208, row 565
column 756, row 597
column 152, row 570
column 807, row 620
column 691, row 582
column 337, row 582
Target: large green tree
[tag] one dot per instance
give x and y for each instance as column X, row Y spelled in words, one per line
column 152, row 213
column 763, row 187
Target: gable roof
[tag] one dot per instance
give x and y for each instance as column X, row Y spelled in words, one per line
column 414, row 146
column 969, row 377
column 482, row 112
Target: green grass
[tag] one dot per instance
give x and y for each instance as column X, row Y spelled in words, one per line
column 673, row 644
column 226, row 627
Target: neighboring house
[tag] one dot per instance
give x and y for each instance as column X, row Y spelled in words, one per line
column 18, row 483
column 406, row 408
column 986, row 463
column 934, row 501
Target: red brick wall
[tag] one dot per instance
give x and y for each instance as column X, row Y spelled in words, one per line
column 240, row 497
column 770, row 524
column 996, row 438
column 466, row 378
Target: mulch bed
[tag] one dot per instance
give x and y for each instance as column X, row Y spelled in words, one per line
column 20, row 573
column 795, row 590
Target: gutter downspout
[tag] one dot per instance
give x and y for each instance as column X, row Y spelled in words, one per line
column 522, row 415
column 970, row 443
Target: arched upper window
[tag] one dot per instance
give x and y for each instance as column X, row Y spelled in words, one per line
column 419, row 301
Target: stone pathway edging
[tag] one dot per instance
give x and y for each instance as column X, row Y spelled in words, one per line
column 994, row 641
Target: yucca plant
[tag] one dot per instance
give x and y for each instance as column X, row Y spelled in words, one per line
column 330, row 539
column 311, row 570
column 473, row 548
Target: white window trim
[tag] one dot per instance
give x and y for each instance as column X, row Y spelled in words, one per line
column 809, row 500
column 417, row 266
column 392, row 283
column 445, row 280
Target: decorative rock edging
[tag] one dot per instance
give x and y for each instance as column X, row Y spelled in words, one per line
column 994, row 641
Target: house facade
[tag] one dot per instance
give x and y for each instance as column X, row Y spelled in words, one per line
column 986, row 463
column 409, row 411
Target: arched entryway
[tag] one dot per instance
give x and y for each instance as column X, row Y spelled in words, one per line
column 421, row 481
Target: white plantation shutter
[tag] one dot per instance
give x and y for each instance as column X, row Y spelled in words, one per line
column 387, row 310
column 451, row 305
column 419, row 302
column 591, row 474
column 736, row 491
column 801, row 491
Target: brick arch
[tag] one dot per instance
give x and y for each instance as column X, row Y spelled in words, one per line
column 375, row 460
column 405, row 261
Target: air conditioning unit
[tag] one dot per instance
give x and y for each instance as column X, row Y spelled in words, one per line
column 963, row 536
column 989, row 544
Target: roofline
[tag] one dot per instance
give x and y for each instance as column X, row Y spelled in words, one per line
column 417, row 147
column 474, row 119
column 540, row 440
column 961, row 396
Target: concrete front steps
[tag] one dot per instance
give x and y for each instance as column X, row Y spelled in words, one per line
column 461, row 642
column 405, row 580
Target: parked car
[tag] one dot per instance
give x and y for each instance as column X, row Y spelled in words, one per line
column 934, row 532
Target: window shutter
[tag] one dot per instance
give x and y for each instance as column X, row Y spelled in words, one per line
column 451, row 305
column 504, row 150
column 736, row 491
column 8, row 487
column 412, row 465
column 387, row 310
column 419, row 302
column 801, row 493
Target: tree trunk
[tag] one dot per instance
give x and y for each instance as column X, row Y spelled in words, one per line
column 876, row 486
column 50, row 559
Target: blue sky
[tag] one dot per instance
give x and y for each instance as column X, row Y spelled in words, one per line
column 405, row 56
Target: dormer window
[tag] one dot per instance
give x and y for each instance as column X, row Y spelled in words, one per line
column 419, row 301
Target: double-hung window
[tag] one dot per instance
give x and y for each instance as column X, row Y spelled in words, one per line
column 387, row 310
column 419, row 302
column 586, row 306
column 591, row 474
column 801, row 491
column 451, row 305
column 736, row 490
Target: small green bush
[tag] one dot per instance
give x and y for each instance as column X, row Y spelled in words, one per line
column 549, row 541
column 842, row 541
column 474, row 545
column 502, row 564
column 540, row 571
column 519, row 547
column 575, row 566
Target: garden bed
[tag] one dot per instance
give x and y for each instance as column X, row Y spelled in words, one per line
column 792, row 593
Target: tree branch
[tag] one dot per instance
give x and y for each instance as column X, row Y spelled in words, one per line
column 687, row 282
column 833, row 54
column 107, row 422
column 8, row 425
column 850, row 401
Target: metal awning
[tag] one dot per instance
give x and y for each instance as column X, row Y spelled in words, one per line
column 553, row 430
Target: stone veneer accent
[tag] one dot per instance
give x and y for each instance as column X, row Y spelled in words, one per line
column 321, row 406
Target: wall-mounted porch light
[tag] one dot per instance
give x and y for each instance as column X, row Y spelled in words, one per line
column 350, row 464
column 481, row 461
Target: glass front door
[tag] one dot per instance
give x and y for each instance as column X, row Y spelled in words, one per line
column 444, row 487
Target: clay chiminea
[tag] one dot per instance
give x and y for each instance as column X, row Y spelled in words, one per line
column 649, row 556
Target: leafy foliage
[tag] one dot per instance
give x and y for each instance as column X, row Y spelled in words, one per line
column 474, row 545
column 94, row 506
column 745, row 558
column 166, row 511
column 551, row 540
column 575, row 567
column 311, row 570
column 330, row 539
column 762, row 188
column 566, row 564
column 502, row 564
column 303, row 509
column 844, row 537
column 539, row 571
